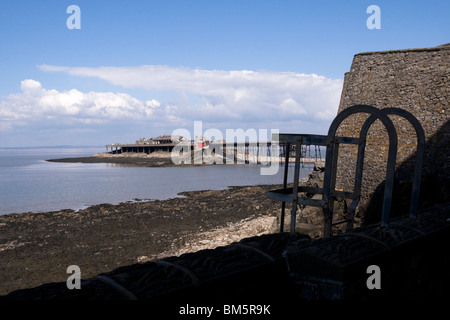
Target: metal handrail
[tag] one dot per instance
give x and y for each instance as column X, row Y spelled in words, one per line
column 332, row 143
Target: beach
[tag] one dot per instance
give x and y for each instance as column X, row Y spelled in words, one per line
column 37, row 248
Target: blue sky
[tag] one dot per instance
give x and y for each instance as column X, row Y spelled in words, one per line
column 144, row 68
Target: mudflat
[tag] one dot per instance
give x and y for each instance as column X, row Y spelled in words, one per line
column 37, row 248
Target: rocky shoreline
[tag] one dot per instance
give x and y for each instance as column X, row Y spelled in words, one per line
column 156, row 159
column 37, row 248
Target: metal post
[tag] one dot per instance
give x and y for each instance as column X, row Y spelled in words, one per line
column 286, row 167
column 420, row 134
column 392, row 154
column 298, row 149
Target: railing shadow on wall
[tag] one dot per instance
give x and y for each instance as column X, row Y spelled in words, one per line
column 435, row 180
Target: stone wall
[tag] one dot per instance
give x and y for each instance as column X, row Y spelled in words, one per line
column 416, row 80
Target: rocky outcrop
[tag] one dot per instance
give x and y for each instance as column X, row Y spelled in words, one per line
column 38, row 247
column 219, row 237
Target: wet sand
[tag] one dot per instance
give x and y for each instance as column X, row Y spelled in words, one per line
column 37, row 248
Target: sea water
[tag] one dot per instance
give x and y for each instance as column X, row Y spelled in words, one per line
column 29, row 183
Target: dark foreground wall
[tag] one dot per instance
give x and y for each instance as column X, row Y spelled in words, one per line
column 412, row 257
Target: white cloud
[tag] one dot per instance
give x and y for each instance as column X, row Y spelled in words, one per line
column 291, row 102
column 36, row 103
column 30, row 85
column 229, row 95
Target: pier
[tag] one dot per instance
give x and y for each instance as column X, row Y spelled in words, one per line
column 248, row 152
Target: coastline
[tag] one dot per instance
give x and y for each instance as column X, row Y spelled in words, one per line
column 37, row 248
column 159, row 159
